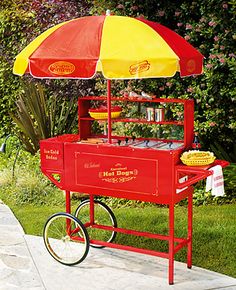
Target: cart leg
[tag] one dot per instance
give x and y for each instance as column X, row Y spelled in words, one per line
column 68, row 210
column 171, row 243
column 190, row 230
column 91, row 209
column 68, row 207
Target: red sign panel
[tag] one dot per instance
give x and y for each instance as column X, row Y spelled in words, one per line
column 137, row 175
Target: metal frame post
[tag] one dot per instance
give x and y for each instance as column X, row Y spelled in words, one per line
column 190, row 230
column 68, row 210
column 68, row 205
column 171, row 242
column 109, row 110
column 91, row 209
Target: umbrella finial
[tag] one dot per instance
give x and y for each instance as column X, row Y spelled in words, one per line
column 108, row 12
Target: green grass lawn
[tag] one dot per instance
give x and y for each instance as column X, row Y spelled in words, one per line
column 214, row 230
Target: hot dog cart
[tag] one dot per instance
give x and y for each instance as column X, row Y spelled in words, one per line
column 124, row 167
column 110, row 164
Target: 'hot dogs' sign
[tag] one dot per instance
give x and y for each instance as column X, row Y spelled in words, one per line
column 117, row 173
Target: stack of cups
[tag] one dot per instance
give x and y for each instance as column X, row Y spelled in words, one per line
column 155, row 114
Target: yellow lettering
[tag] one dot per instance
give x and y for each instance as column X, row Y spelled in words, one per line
column 107, row 173
column 51, row 157
column 125, row 173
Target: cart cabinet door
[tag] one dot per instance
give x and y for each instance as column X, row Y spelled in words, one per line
column 119, row 173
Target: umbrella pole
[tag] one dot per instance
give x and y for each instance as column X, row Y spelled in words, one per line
column 109, row 109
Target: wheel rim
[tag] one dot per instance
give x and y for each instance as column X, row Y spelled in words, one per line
column 103, row 215
column 66, row 239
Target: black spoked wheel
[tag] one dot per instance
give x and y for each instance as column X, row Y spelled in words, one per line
column 103, row 215
column 66, row 238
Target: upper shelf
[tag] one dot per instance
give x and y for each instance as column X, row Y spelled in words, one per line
column 133, row 99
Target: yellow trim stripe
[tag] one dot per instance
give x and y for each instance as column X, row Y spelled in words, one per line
column 22, row 59
column 144, row 54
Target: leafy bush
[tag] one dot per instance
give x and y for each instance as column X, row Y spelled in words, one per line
column 230, row 180
column 32, row 117
column 15, row 24
column 39, row 117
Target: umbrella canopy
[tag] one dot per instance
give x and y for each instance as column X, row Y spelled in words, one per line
column 118, row 46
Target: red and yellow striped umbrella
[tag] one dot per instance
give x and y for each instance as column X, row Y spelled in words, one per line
column 120, row 47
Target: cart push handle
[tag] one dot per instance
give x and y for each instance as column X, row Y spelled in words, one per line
column 195, row 174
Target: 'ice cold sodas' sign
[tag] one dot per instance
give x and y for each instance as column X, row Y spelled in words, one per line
column 51, row 154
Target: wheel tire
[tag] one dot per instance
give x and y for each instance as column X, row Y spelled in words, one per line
column 62, row 245
column 103, row 215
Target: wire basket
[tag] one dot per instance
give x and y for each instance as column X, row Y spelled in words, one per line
column 197, row 158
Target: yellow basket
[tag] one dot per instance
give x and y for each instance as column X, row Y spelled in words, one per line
column 104, row 115
column 197, row 158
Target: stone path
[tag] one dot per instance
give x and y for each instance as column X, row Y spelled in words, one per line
column 17, row 268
